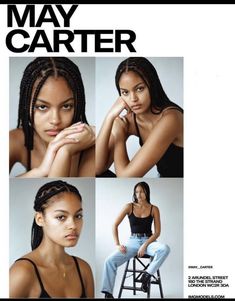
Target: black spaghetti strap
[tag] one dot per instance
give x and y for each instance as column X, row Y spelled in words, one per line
column 136, row 125
column 36, row 271
column 173, row 108
column 80, row 276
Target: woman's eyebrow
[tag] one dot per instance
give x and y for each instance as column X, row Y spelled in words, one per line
column 47, row 102
column 134, row 86
column 65, row 211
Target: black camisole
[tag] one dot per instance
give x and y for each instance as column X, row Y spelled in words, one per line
column 44, row 293
column 141, row 224
column 171, row 163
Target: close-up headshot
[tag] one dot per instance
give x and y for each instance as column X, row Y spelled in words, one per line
column 141, row 99
column 57, row 224
column 52, row 114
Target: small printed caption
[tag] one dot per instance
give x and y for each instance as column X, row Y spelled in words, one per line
column 207, row 281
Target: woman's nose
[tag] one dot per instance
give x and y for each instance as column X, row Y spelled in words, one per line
column 71, row 224
column 55, row 117
column 133, row 96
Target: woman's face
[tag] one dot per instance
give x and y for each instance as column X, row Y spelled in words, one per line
column 54, row 108
column 135, row 92
column 140, row 194
column 63, row 219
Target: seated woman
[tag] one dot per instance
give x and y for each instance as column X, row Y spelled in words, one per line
column 48, row 271
column 53, row 138
column 141, row 214
column 150, row 115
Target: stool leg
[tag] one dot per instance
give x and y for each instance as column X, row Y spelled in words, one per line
column 123, row 279
column 134, row 276
column 148, row 292
column 160, row 284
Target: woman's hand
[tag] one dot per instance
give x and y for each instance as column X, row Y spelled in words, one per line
column 62, row 139
column 122, row 249
column 120, row 128
column 141, row 251
column 117, row 108
column 84, row 140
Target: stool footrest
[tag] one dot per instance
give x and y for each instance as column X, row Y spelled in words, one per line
column 131, row 288
column 137, row 271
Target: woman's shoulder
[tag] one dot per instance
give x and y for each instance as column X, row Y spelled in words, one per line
column 171, row 120
column 22, row 270
column 16, row 147
column 129, row 206
column 155, row 208
column 17, row 134
column 84, row 266
column 173, row 113
column 22, row 277
column 82, row 262
column 16, row 140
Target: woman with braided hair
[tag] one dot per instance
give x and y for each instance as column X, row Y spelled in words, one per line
column 48, row 271
column 53, row 138
column 149, row 115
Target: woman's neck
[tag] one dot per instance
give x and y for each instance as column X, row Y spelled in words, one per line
column 52, row 254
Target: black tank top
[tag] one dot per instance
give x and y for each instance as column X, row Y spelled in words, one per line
column 171, row 163
column 141, row 224
column 44, row 293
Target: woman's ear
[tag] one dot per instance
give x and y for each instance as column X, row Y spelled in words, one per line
column 39, row 219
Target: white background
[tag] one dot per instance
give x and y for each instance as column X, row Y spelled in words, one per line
column 204, row 36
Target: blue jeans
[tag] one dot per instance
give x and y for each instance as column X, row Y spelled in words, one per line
column 155, row 249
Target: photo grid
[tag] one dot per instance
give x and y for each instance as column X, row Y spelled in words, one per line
column 108, row 132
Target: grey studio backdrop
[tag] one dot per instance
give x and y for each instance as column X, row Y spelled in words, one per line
column 17, row 66
column 22, row 193
column 170, row 72
column 167, row 194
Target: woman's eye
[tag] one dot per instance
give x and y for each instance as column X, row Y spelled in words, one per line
column 61, row 218
column 125, row 93
column 68, row 106
column 41, row 107
column 139, row 89
column 79, row 216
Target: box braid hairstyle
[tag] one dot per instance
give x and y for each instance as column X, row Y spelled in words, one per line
column 41, row 202
column 146, row 190
column 145, row 69
column 34, row 77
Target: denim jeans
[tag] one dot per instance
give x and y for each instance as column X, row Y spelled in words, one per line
column 155, row 249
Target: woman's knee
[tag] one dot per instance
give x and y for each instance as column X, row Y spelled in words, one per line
column 165, row 249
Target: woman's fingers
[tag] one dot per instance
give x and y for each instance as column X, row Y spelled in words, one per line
column 68, row 131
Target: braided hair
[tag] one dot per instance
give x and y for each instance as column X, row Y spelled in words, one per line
column 43, row 196
column 34, row 77
column 146, row 190
column 145, row 69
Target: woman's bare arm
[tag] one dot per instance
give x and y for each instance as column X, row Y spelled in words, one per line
column 105, row 140
column 117, row 222
column 161, row 136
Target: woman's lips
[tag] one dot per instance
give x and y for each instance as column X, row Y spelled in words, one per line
column 52, row 132
column 136, row 107
column 71, row 236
